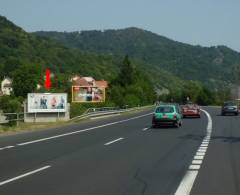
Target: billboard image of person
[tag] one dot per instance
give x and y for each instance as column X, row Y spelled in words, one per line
column 42, row 102
column 88, row 94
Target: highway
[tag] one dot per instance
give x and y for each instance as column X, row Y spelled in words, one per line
column 123, row 155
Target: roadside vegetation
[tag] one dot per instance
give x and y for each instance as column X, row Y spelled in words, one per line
column 197, row 93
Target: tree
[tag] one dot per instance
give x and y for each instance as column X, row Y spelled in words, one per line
column 191, row 90
column 132, row 87
column 206, row 97
column 117, row 95
column 25, row 80
column 126, row 76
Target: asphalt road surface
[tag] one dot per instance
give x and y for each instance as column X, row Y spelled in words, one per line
column 122, row 155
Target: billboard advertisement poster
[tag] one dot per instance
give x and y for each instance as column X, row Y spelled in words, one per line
column 47, row 102
column 88, row 94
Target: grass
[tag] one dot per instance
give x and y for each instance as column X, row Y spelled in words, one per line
column 23, row 127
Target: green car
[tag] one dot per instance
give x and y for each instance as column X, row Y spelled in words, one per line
column 169, row 114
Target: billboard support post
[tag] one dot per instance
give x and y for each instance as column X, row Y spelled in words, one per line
column 17, row 119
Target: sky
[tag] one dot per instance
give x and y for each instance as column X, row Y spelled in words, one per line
column 197, row 22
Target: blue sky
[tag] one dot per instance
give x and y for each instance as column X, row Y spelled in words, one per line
column 198, row 22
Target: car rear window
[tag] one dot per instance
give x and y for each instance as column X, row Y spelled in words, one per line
column 190, row 105
column 229, row 104
column 165, row 109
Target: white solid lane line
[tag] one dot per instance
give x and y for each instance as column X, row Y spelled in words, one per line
column 7, row 147
column 80, row 131
column 145, row 129
column 24, row 175
column 189, row 178
column 116, row 140
column 187, row 182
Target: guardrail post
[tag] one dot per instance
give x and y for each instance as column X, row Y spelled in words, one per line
column 35, row 117
column 17, row 119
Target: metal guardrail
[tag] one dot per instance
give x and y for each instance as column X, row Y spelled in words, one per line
column 10, row 117
column 94, row 112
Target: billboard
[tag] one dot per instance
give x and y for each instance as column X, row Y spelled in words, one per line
column 47, row 102
column 88, row 94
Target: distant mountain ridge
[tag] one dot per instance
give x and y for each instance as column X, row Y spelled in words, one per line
column 207, row 64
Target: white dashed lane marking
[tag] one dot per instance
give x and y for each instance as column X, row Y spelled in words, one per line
column 116, row 140
column 198, row 157
column 197, row 162
column 194, row 167
column 200, row 153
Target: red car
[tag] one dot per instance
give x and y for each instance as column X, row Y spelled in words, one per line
column 191, row 110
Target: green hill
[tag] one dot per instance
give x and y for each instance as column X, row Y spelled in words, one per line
column 208, row 64
column 18, row 47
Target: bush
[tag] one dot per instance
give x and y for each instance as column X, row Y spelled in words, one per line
column 132, row 100
column 10, row 104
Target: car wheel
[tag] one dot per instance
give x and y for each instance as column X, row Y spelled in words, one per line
column 236, row 113
column 223, row 114
column 177, row 124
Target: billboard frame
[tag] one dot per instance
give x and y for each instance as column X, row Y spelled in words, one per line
column 48, row 110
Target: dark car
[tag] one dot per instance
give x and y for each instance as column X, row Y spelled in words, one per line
column 229, row 108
